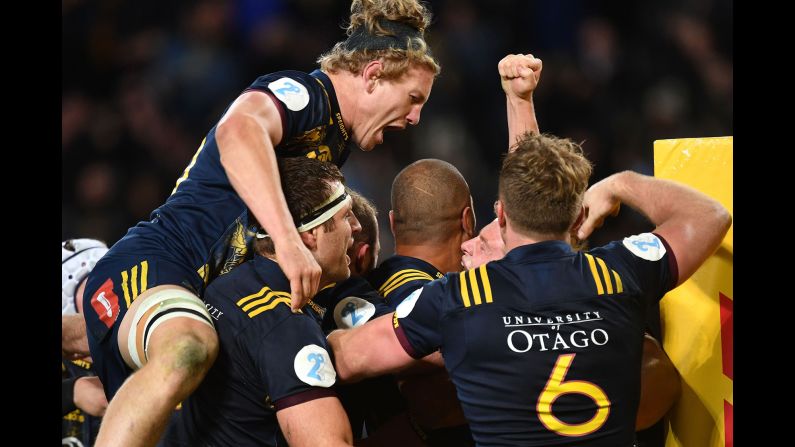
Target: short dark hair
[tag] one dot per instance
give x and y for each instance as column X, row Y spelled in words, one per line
column 542, row 183
column 306, row 183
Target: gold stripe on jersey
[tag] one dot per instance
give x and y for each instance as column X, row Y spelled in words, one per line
column 202, row 271
column 274, row 303
column 190, row 166
column 403, row 280
column 133, row 284
column 259, row 302
column 400, row 278
column 619, row 285
column 592, row 264
column 125, row 289
column 484, row 278
column 605, row 275
column 474, row 284
column 470, row 286
column 464, row 294
column 144, row 274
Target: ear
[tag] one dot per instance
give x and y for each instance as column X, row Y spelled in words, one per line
column 578, row 221
column 392, row 222
column 309, row 238
column 371, row 73
column 360, row 260
column 500, row 212
column 468, row 223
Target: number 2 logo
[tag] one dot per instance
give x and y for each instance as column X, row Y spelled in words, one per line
column 556, row 387
column 319, row 360
column 289, row 87
column 350, row 309
column 643, row 245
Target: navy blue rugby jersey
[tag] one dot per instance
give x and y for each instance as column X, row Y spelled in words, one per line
column 202, row 223
column 77, row 427
column 349, row 303
column 399, row 276
column 269, row 359
column 544, row 346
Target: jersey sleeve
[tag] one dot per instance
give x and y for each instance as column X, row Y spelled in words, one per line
column 418, row 318
column 301, row 100
column 645, row 263
column 357, row 309
column 293, row 360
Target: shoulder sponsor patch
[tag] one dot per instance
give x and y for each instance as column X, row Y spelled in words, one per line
column 313, row 366
column 646, row 246
column 106, row 303
column 291, row 92
column 353, row 311
column 407, row 305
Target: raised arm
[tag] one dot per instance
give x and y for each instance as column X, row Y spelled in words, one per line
column 519, row 76
column 368, row 350
column 691, row 222
column 316, row 423
column 246, row 138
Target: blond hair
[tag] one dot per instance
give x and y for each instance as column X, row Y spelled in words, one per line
column 373, row 18
column 542, row 183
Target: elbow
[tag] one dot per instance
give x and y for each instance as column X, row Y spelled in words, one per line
column 723, row 219
column 227, row 131
column 727, row 219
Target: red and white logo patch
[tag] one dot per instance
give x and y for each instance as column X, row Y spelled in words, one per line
column 106, row 303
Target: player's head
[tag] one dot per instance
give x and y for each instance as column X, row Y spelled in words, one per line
column 485, row 247
column 541, row 186
column 366, row 247
column 322, row 212
column 431, row 204
column 78, row 257
column 387, row 53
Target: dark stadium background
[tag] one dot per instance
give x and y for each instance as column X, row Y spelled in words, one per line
column 143, row 81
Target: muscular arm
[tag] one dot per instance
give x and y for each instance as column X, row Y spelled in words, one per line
column 246, row 137
column 368, row 350
column 519, row 76
column 320, row 422
column 660, row 384
column 691, row 222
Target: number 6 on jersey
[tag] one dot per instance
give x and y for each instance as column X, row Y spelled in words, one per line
column 556, row 387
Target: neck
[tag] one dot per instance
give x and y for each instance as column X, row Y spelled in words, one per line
column 344, row 87
column 513, row 238
column 445, row 256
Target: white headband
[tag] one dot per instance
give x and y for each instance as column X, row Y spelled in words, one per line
column 324, row 212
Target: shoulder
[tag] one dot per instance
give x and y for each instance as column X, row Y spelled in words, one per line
column 295, row 89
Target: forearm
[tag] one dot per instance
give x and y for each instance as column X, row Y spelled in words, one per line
column 521, row 118
column 691, row 222
column 248, row 157
column 368, row 350
column 665, row 202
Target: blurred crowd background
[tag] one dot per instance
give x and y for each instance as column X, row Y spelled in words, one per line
column 143, row 82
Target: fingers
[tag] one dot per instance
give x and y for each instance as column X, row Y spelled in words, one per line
column 304, row 286
column 296, row 293
column 519, row 66
column 588, row 226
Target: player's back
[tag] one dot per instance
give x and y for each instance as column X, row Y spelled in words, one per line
column 545, row 345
